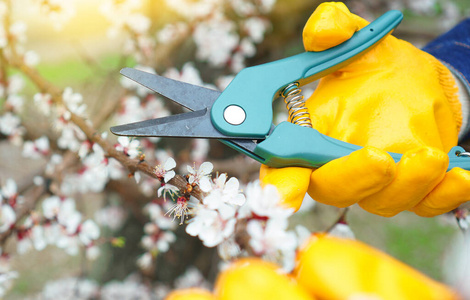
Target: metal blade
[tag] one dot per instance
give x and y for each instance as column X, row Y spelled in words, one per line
column 191, row 96
column 194, row 124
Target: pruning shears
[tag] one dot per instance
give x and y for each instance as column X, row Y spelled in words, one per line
column 241, row 116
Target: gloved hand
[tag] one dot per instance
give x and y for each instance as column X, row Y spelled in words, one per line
column 394, row 98
column 327, row 268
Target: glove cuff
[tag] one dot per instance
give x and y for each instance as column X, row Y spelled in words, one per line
column 453, row 50
column 464, row 98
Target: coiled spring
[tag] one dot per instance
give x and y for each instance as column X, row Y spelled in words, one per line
column 298, row 113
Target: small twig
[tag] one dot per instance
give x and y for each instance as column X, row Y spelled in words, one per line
column 341, row 219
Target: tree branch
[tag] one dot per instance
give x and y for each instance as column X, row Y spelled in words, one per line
column 93, row 135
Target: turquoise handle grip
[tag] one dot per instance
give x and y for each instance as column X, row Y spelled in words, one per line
column 293, row 145
column 254, row 88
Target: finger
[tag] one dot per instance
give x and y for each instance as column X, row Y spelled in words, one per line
column 330, row 25
column 418, row 173
column 334, row 268
column 257, row 279
column 291, row 183
column 451, row 192
column 347, row 180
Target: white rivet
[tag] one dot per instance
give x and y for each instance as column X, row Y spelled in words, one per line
column 234, row 115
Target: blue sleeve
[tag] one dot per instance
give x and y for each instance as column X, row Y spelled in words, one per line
column 453, row 49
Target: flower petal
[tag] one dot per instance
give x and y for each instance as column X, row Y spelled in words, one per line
column 170, row 163
column 168, row 176
column 206, row 168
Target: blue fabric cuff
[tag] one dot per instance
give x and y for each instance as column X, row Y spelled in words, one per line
column 453, row 49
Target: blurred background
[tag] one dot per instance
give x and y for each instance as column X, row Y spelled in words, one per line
column 83, row 45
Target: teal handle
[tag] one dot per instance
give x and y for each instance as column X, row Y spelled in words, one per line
column 254, row 88
column 292, row 145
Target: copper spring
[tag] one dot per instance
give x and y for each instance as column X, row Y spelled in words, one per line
column 298, row 113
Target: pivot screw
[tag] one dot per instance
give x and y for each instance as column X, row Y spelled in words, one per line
column 234, row 115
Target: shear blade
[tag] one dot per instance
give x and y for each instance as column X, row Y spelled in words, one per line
column 190, row 96
column 194, row 124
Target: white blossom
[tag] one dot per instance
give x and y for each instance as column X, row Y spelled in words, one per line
column 165, row 189
column 115, row 169
column 37, row 148
column 71, row 289
column 52, row 232
column 9, row 123
column 223, row 191
column 23, row 244
column 243, row 7
column 166, row 171
column 157, row 216
column 145, row 261
column 37, row 237
column 9, row 190
column 263, row 201
column 201, row 174
column 6, row 275
column 54, row 160
column 181, row 208
column 125, row 290
column 128, row 146
column 43, row 102
column 159, row 242
column 71, row 137
column 70, row 244
column 210, row 226
column 51, row 207
column 16, row 102
column 7, row 217
column 422, row 6
column 188, row 74
column 256, row 28
column 74, row 102
column 192, row 277
column 18, row 31
column 193, row 9
column 267, row 5
column 31, row 58
column 92, row 252
column 88, row 232
column 171, row 32
column 15, row 84
column 229, row 249
column 112, row 216
column 215, row 39
column 342, row 230
column 272, row 240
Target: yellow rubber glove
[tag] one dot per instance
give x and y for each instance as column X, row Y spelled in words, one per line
column 190, row 294
column 327, row 268
column 333, row 268
column 253, row 278
column 394, row 98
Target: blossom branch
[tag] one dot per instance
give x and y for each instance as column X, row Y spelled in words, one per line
column 93, row 135
column 23, row 210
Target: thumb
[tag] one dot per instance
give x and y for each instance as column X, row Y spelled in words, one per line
column 330, row 25
column 291, row 183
